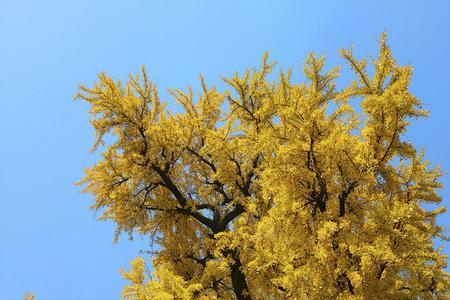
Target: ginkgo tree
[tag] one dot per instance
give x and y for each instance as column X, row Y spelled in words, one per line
column 272, row 189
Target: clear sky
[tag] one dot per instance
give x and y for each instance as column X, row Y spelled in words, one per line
column 51, row 243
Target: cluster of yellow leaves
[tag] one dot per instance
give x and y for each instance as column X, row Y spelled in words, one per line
column 168, row 285
column 28, row 296
column 272, row 189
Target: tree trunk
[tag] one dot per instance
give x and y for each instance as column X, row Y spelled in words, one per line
column 238, row 280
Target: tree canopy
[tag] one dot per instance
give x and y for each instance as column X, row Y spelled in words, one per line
column 272, row 189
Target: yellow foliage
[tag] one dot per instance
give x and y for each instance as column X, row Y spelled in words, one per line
column 272, row 189
column 28, row 296
column 167, row 285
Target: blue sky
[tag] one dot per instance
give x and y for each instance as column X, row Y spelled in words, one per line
column 51, row 243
